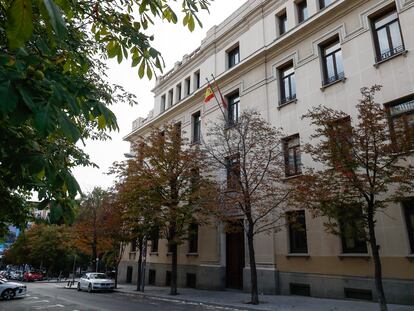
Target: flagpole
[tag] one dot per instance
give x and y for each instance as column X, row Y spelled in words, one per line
column 218, row 89
column 218, row 103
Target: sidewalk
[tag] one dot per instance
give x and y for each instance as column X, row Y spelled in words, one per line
column 237, row 300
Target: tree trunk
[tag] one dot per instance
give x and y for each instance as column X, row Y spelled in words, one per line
column 174, row 270
column 94, row 255
column 139, row 266
column 116, row 276
column 253, row 270
column 377, row 260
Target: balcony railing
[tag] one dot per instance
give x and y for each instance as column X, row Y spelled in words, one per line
column 334, row 78
column 391, row 52
column 287, row 99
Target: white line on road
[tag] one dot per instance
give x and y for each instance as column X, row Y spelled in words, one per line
column 31, row 302
column 48, row 307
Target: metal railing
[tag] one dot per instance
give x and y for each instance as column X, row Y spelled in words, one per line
column 287, row 99
column 391, row 52
column 332, row 79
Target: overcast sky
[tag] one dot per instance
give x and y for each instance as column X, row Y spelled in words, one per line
column 173, row 41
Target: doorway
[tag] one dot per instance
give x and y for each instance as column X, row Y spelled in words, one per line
column 129, row 275
column 235, row 257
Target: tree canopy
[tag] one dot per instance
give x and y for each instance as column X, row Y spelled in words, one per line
column 53, row 94
column 362, row 168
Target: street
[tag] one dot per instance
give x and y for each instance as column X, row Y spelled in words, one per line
column 52, row 296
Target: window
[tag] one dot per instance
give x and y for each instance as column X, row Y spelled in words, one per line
column 170, row 98
column 193, row 238
column 133, row 246
column 287, row 84
column 233, row 172
column 191, row 280
column 302, row 8
column 177, row 133
column 401, row 116
column 357, row 293
column 151, row 277
column 292, row 156
column 324, row 3
column 233, row 110
column 282, row 22
column 297, row 232
column 168, row 278
column 340, row 136
column 162, row 103
column 299, row 289
column 387, row 35
column 233, row 57
column 187, row 86
column 352, row 232
column 178, row 87
column 155, row 235
column 333, row 69
column 196, row 127
column 409, row 219
column 197, row 80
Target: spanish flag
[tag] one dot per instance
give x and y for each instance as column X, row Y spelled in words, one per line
column 209, row 93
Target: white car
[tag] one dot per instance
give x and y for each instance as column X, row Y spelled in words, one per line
column 95, row 282
column 10, row 290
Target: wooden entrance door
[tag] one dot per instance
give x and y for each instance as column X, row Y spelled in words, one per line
column 235, row 259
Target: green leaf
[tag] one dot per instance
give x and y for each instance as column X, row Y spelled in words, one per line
column 55, row 18
column 69, row 128
column 101, row 122
column 135, row 61
column 72, row 185
column 19, row 26
column 8, row 98
column 141, row 71
column 112, row 49
column 191, row 24
column 43, row 120
column 27, row 98
column 149, row 72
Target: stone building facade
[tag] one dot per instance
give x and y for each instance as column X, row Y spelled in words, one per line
column 282, row 57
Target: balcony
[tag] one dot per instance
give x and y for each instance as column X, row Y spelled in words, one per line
column 333, row 79
column 287, row 99
column 390, row 53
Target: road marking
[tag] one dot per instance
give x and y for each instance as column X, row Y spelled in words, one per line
column 47, row 307
column 31, row 302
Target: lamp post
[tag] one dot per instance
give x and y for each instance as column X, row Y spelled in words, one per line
column 97, row 265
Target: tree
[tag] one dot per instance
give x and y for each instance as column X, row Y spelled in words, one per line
column 170, row 175
column 251, row 153
column 115, row 231
column 53, row 93
column 45, row 247
column 90, row 229
column 362, row 169
column 139, row 215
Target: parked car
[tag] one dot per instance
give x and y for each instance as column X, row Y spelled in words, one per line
column 10, row 290
column 32, row 276
column 16, row 275
column 95, row 282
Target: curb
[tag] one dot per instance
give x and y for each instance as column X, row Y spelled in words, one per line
column 222, row 306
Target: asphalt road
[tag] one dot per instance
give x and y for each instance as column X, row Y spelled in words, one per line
column 53, row 297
